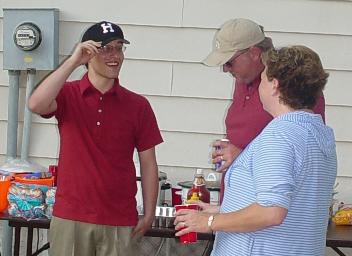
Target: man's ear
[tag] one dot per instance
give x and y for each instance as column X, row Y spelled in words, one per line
column 255, row 53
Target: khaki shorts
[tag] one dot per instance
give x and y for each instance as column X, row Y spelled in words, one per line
column 76, row 238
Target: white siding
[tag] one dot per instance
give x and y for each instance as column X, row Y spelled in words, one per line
column 140, row 75
column 199, row 81
column 325, row 17
column 173, row 113
column 155, row 12
column 3, row 132
column 343, row 127
column 338, row 88
column 168, row 41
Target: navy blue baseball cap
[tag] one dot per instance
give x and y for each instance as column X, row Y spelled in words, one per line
column 104, row 32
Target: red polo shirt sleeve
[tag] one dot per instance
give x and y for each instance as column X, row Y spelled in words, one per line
column 148, row 134
column 60, row 102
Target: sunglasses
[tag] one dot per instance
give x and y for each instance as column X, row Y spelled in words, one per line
column 229, row 64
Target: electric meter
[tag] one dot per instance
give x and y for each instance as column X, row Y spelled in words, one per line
column 27, row 36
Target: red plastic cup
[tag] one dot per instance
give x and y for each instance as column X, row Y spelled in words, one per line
column 176, row 195
column 190, row 237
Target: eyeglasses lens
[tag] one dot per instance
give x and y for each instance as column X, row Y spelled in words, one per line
column 109, row 49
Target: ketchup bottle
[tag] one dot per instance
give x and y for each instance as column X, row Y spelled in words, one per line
column 53, row 171
column 199, row 189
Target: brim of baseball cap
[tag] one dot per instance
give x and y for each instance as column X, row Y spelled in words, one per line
column 217, row 58
column 105, row 42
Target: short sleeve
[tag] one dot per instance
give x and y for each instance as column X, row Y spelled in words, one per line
column 273, row 170
column 60, row 101
column 148, row 133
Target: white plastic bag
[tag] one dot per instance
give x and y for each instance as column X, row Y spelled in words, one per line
column 16, row 165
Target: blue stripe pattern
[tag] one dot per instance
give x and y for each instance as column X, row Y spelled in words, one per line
column 291, row 164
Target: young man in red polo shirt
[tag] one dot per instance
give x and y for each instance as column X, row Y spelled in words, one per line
column 237, row 47
column 100, row 124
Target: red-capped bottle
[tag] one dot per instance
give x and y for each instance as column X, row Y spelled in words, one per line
column 53, row 171
column 199, row 189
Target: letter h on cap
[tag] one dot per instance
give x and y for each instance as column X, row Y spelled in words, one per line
column 107, row 27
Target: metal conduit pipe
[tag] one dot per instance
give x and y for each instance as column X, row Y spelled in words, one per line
column 27, row 115
column 11, row 152
column 12, row 116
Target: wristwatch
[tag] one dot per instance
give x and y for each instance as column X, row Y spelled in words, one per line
column 210, row 221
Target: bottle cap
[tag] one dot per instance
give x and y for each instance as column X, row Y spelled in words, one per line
column 199, row 171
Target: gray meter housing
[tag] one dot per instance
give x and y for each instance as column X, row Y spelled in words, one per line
column 31, row 39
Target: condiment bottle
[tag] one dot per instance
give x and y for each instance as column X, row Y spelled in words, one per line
column 199, row 190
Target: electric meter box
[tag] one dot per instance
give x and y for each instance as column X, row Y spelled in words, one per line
column 31, row 39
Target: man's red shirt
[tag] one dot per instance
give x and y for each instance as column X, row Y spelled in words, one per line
column 98, row 135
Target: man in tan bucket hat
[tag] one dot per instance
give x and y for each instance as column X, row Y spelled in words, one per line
column 237, row 47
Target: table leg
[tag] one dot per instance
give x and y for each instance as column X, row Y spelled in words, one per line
column 338, row 251
column 16, row 249
column 29, row 241
column 44, row 247
column 208, row 248
column 167, row 246
column 162, row 240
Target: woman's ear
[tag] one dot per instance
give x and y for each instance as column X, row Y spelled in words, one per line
column 275, row 87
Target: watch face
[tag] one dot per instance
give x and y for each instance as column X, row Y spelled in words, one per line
column 27, row 36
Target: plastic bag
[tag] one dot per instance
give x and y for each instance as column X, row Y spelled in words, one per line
column 50, row 201
column 16, row 165
column 344, row 215
column 27, row 201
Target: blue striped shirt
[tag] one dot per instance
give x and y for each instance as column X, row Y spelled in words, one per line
column 291, row 164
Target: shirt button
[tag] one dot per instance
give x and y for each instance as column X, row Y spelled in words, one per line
column 101, row 98
column 247, row 97
column 99, row 110
column 98, row 123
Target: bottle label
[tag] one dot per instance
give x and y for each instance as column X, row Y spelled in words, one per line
column 184, row 195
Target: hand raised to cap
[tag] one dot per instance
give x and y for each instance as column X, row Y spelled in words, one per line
column 84, row 52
